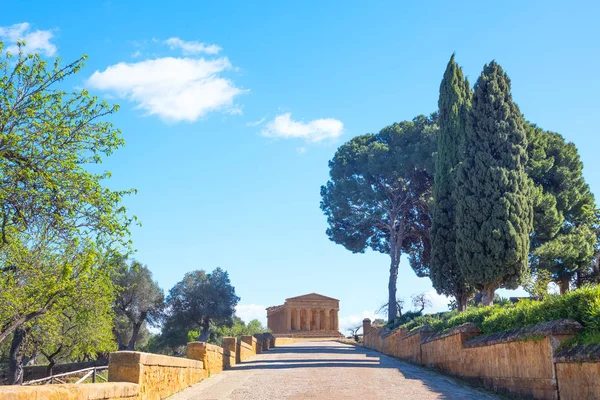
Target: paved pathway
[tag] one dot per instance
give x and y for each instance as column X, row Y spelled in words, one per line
column 327, row 370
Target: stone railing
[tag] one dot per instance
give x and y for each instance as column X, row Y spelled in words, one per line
column 158, row 376
column 522, row 362
column 143, row 376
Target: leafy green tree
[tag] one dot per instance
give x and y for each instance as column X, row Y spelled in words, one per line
column 494, row 215
column 565, row 216
column 195, row 303
column 82, row 326
column 239, row 329
column 454, row 104
column 52, row 209
column 140, row 301
column 379, row 194
column 57, row 283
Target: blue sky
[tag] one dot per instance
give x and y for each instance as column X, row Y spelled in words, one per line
column 231, row 111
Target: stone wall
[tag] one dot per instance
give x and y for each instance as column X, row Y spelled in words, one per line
column 158, row 376
column 244, row 351
column 96, row 391
column 578, row 372
column 214, row 358
column 144, row 376
column 522, row 362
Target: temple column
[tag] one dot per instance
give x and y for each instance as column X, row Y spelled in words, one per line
column 318, row 320
column 327, row 325
column 288, row 319
column 297, row 316
column 307, row 319
column 335, row 319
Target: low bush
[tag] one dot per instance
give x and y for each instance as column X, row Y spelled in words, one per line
column 582, row 305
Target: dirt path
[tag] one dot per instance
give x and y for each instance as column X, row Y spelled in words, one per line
column 327, row 370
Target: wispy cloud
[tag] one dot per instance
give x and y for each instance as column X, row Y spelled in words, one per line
column 301, row 150
column 191, row 47
column 36, row 41
column 175, row 89
column 312, row 131
column 256, row 123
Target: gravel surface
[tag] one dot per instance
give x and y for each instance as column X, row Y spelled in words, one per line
column 327, row 370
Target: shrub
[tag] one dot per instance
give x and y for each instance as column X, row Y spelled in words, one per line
column 582, row 305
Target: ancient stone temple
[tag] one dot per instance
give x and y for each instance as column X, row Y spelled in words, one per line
column 310, row 315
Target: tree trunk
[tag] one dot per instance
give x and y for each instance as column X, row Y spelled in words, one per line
column 205, row 332
column 134, row 335
column 392, row 305
column 15, row 362
column 461, row 302
column 120, row 344
column 19, row 322
column 50, row 367
column 487, row 298
column 564, row 284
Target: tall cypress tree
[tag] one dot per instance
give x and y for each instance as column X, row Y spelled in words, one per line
column 454, row 103
column 494, row 214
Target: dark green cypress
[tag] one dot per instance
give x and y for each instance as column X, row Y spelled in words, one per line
column 454, row 103
column 494, row 214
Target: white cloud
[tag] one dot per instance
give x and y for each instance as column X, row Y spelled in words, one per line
column 36, row 41
column 176, row 89
column 354, row 320
column 137, row 53
column 313, row 131
column 248, row 312
column 301, row 150
column 191, row 47
column 256, row 123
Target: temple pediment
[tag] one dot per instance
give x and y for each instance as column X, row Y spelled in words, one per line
column 311, row 297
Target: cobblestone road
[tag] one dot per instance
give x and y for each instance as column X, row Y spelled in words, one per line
column 327, row 370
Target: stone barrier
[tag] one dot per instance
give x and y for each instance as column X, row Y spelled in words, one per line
column 158, row 376
column 250, row 340
column 95, row 391
column 522, row 362
column 244, row 351
column 143, row 376
column 578, row 372
column 215, row 358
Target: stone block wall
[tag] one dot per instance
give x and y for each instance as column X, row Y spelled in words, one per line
column 522, row 362
column 158, row 376
column 578, row 372
column 144, row 376
column 96, row 391
column 250, row 340
column 244, row 351
column 215, row 358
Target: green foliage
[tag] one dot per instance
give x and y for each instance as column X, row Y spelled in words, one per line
column 565, row 216
column 56, row 217
column 379, row 192
column 494, row 209
column 454, row 104
column 47, row 139
column 582, row 305
column 79, row 327
column 197, row 303
column 239, row 328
